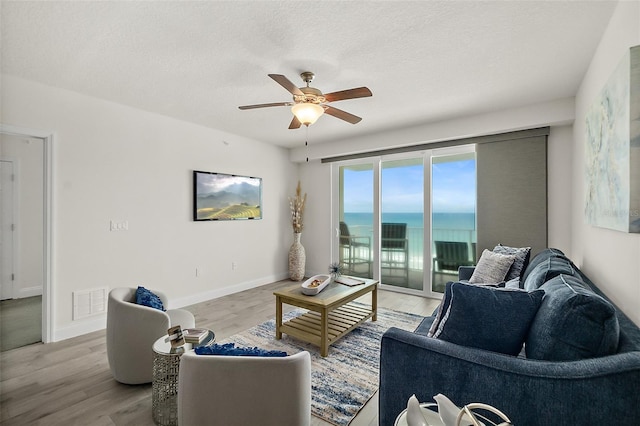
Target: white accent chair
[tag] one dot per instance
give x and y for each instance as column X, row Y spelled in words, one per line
column 244, row 390
column 131, row 331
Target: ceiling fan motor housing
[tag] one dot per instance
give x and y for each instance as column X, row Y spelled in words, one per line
column 311, row 94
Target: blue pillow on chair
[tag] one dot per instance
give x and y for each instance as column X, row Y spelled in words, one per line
column 148, row 298
column 483, row 317
column 229, row 349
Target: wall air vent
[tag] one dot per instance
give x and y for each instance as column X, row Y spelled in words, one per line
column 87, row 303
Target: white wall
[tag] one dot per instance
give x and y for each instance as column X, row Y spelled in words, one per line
column 27, row 155
column 610, row 258
column 315, row 179
column 559, row 191
column 112, row 162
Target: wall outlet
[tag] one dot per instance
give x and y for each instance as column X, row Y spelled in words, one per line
column 119, row 225
column 234, row 266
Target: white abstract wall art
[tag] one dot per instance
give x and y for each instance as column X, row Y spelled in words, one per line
column 612, row 154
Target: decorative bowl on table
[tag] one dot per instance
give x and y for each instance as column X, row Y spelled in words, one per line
column 315, row 284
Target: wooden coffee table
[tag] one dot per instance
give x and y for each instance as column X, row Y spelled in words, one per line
column 330, row 316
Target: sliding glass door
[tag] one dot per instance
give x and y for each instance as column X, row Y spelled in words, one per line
column 402, row 227
column 356, row 219
column 382, row 230
column 453, row 215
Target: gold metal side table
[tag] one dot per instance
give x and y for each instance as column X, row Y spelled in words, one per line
column 166, row 366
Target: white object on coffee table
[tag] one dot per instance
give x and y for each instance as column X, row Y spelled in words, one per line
column 312, row 291
column 350, row 281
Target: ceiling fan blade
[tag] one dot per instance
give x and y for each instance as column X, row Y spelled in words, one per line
column 266, row 105
column 359, row 92
column 287, row 84
column 295, row 123
column 343, row 115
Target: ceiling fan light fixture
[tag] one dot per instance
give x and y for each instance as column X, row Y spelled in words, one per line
column 307, row 113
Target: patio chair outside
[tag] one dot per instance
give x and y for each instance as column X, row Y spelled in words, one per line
column 449, row 256
column 394, row 251
column 355, row 253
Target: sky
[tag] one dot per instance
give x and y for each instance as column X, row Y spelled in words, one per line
column 453, row 183
column 209, row 183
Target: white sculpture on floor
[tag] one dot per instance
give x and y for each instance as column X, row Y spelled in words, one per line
column 452, row 415
column 449, row 412
column 414, row 413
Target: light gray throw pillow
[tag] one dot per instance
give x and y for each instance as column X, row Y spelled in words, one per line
column 491, row 268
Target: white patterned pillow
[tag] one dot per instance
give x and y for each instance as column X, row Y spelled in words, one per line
column 491, row 268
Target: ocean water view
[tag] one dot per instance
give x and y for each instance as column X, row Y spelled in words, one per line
column 460, row 221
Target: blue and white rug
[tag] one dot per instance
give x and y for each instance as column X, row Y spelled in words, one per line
column 345, row 380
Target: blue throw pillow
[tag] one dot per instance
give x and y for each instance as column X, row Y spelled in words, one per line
column 229, row 349
column 148, row 298
column 573, row 323
column 442, row 309
column 489, row 318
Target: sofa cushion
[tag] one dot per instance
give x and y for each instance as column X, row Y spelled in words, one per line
column 539, row 258
column 491, row 268
column 489, row 318
column 148, row 298
column 520, row 263
column 424, row 327
column 573, row 323
column 230, row 349
column 548, row 269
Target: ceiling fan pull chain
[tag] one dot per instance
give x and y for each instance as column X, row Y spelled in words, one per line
column 306, row 142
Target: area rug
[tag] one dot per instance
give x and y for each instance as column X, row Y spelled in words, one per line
column 345, row 380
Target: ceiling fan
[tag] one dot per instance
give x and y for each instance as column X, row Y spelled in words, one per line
column 310, row 103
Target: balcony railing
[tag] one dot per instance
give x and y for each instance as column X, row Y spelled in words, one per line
column 416, row 241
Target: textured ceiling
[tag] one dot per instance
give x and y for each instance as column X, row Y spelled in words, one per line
column 424, row 61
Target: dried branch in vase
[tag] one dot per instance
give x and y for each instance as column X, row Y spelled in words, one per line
column 296, row 205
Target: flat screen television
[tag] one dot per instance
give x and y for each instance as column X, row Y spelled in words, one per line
column 219, row 196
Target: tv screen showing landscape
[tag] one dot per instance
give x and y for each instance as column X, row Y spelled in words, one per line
column 219, row 196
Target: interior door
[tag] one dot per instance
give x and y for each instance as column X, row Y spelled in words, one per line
column 7, row 228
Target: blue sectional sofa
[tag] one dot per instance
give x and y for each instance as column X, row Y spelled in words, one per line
column 580, row 363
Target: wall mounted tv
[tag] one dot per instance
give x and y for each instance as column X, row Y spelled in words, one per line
column 219, row 196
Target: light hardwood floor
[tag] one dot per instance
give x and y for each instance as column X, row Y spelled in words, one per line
column 69, row 383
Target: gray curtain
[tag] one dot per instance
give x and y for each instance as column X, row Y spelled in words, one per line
column 512, row 193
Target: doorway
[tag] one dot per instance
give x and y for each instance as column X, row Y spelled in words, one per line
column 25, row 245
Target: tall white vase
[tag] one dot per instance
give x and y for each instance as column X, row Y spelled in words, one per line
column 297, row 258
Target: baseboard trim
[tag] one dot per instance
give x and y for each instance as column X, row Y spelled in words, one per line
column 99, row 322
column 35, row 290
column 225, row 291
